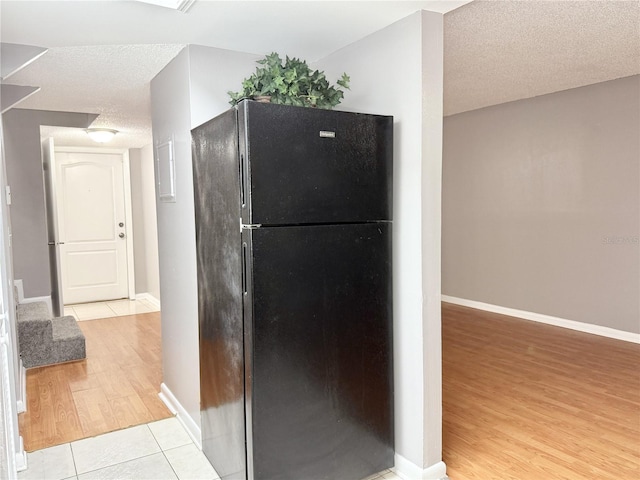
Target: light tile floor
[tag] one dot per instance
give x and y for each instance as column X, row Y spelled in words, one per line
column 113, row 308
column 385, row 475
column 155, row 451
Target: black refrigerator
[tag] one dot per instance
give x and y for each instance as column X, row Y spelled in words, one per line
column 293, row 232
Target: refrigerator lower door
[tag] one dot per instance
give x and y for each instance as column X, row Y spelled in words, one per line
column 318, row 343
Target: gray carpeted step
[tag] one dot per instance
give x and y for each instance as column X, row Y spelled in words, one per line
column 44, row 340
column 35, row 341
column 68, row 340
column 33, row 311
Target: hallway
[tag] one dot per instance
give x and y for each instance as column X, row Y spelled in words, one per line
column 115, row 387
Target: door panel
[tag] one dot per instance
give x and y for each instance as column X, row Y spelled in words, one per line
column 90, row 194
column 321, row 353
column 309, row 166
column 91, row 226
column 93, row 267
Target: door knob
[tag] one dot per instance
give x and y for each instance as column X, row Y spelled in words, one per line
column 121, row 235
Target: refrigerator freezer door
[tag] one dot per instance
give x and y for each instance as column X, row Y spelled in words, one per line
column 311, row 166
column 318, row 312
column 219, row 264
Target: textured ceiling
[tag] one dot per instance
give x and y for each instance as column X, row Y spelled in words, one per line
column 112, row 80
column 499, row 51
column 102, row 54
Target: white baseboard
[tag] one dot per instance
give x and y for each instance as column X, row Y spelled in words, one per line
column 21, row 457
column 148, row 298
column 19, row 289
column 410, row 471
column 548, row 319
column 181, row 414
column 21, row 401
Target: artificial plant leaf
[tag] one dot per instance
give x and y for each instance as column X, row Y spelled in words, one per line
column 291, row 83
column 344, row 81
column 290, row 75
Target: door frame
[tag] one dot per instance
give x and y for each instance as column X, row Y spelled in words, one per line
column 48, row 156
column 12, row 378
column 128, row 212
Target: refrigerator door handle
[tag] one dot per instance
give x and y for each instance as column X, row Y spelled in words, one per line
column 242, row 180
column 244, row 268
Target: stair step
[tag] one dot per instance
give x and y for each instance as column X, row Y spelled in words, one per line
column 68, row 340
column 45, row 340
column 65, row 327
column 33, row 311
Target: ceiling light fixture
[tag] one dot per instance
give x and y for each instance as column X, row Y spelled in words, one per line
column 101, row 135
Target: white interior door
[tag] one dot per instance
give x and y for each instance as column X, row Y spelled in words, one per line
column 92, row 226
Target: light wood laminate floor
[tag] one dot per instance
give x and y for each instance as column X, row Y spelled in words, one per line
column 528, row 401
column 115, row 387
column 522, row 400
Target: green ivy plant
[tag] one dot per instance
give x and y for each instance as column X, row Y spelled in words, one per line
column 291, row 83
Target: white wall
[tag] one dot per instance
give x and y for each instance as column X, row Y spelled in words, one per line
column 191, row 89
column 398, row 71
column 213, row 72
column 431, row 223
column 170, row 111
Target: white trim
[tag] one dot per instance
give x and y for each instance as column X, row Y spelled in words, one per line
column 147, row 297
column 51, row 208
column 21, row 457
column 20, row 289
column 548, row 319
column 128, row 216
column 410, row 471
column 11, row 448
column 181, row 414
column 21, row 401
